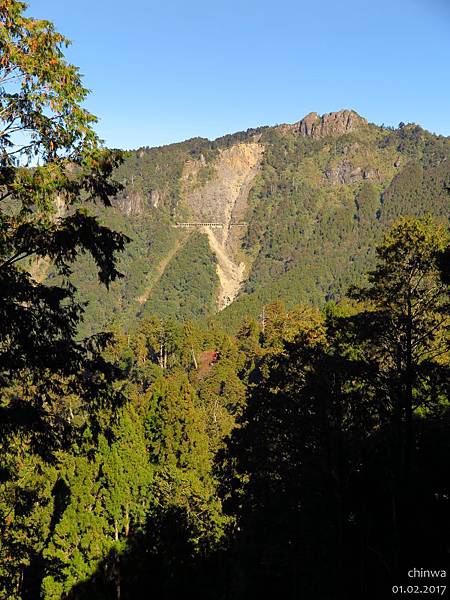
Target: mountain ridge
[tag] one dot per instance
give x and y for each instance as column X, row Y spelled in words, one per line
column 316, row 196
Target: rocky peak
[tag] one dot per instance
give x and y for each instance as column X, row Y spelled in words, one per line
column 330, row 124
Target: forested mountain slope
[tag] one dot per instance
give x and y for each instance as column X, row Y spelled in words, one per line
column 298, row 210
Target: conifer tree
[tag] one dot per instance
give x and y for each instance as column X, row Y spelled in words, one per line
column 408, row 323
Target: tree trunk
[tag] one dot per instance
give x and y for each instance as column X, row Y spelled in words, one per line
column 194, row 358
column 408, row 397
column 127, row 523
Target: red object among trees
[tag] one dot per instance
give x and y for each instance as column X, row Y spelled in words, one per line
column 207, row 359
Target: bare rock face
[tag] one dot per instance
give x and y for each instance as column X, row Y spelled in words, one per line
column 308, row 125
column 131, row 204
column 344, row 173
column 330, row 124
column 223, row 199
column 347, row 173
column 135, row 203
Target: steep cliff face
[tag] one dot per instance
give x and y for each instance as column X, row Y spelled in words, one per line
column 134, row 202
column 223, row 196
column 330, row 124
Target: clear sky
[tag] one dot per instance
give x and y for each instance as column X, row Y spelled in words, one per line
column 166, row 70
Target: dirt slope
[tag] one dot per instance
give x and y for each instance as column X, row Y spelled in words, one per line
column 223, row 199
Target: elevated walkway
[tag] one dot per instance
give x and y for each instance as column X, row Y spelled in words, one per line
column 212, row 225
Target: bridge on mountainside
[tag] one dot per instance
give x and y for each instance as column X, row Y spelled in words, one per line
column 212, row 225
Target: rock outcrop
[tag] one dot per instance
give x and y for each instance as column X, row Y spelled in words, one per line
column 135, row 203
column 330, row 124
column 347, row 173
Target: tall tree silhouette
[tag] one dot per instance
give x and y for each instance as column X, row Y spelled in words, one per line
column 325, row 477
column 51, row 163
column 405, row 335
column 51, row 166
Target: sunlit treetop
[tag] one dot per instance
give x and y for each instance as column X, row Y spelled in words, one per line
column 42, row 121
column 40, row 93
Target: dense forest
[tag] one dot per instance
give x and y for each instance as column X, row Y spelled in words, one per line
column 294, row 446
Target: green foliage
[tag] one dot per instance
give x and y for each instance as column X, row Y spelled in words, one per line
column 334, row 434
column 168, row 454
column 176, row 429
column 107, row 498
column 311, row 237
column 409, row 310
column 50, row 161
column 222, row 395
column 160, row 169
column 151, row 239
column 414, row 142
column 188, row 287
column 235, row 459
column 26, row 508
column 80, row 537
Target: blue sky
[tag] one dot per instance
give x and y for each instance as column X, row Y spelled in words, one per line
column 164, row 71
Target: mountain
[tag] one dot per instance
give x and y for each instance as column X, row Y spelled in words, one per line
column 291, row 211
